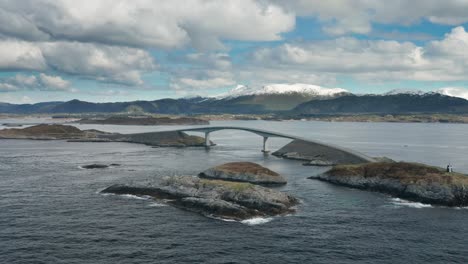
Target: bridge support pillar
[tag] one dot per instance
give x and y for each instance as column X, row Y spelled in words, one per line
column 264, row 149
column 207, row 140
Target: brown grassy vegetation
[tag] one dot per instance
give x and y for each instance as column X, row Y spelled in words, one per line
column 402, row 171
column 246, row 167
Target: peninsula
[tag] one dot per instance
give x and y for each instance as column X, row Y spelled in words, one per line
column 411, row 181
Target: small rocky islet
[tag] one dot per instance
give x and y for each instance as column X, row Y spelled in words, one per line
column 244, row 172
column 410, row 181
column 222, row 197
column 99, row 166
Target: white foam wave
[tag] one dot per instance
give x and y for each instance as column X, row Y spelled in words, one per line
column 256, row 221
column 157, row 204
column 131, row 196
column 223, row 219
column 401, row 202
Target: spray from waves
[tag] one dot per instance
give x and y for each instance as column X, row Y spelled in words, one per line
column 401, row 202
column 256, row 221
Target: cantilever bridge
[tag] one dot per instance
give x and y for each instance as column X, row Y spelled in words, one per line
column 268, row 134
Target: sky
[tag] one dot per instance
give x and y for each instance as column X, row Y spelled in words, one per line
column 123, row 50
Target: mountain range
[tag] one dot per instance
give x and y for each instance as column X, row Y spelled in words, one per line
column 299, row 99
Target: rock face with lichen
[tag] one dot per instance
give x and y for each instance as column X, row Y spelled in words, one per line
column 244, row 172
column 412, row 181
column 215, row 198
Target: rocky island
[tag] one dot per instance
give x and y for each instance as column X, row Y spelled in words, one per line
column 144, row 121
column 411, row 181
column 71, row 133
column 215, row 198
column 244, row 172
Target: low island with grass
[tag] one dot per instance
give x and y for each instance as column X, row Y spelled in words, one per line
column 411, row 181
column 74, row 134
column 244, row 172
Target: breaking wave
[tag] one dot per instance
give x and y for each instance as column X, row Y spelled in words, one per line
column 401, row 202
column 256, row 221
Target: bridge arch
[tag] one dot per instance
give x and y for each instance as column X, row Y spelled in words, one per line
column 265, row 134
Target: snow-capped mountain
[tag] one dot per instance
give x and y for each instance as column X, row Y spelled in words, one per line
column 298, row 88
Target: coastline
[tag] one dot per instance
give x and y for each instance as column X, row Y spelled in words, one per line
column 356, row 118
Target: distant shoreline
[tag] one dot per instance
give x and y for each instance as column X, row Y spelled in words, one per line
column 368, row 118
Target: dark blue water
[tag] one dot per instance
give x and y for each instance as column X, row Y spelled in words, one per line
column 51, row 211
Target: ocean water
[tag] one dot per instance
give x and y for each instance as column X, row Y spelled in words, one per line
column 51, row 210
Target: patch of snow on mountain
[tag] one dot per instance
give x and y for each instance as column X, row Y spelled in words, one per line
column 308, row 89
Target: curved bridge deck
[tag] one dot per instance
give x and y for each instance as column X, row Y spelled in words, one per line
column 301, row 147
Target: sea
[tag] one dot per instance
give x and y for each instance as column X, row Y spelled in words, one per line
column 52, row 211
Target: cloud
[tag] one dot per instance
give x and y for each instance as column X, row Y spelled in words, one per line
column 20, row 55
column 114, row 64
column 145, row 23
column 372, row 60
column 43, row 82
column 104, row 63
column 206, row 83
column 339, row 17
column 454, row 91
column 53, row 82
column 454, row 44
column 14, row 98
column 197, row 71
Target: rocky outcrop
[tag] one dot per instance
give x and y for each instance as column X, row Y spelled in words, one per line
column 319, row 154
column 244, row 172
column 99, row 166
column 74, row 134
column 411, row 181
column 146, row 121
column 215, row 198
column 95, row 166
